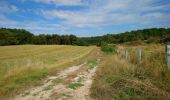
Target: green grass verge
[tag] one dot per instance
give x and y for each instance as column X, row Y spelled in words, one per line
column 74, row 85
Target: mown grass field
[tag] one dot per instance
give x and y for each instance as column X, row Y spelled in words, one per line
column 25, row 65
column 118, row 79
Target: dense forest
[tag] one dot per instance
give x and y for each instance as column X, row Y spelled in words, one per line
column 21, row 36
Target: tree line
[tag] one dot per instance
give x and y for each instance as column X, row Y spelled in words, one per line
column 153, row 35
column 20, row 36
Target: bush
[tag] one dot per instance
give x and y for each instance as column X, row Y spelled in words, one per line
column 153, row 40
column 108, row 48
column 80, row 42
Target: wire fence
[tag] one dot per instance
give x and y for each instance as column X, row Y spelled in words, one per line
column 138, row 54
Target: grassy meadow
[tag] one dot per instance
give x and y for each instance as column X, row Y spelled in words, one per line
column 25, row 65
column 118, row 79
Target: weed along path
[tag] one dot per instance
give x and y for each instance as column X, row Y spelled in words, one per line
column 72, row 83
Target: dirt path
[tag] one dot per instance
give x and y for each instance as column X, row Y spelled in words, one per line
column 70, row 84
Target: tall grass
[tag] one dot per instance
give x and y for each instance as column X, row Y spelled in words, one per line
column 118, row 79
column 152, row 66
column 25, row 66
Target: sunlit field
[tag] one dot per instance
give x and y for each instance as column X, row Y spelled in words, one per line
column 21, row 66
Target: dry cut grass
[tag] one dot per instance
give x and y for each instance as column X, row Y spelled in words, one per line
column 24, row 66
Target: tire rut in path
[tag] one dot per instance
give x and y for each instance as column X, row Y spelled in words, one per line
column 72, row 83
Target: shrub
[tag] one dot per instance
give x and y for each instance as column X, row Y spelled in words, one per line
column 108, row 48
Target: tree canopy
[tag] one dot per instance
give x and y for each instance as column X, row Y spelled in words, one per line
column 20, row 36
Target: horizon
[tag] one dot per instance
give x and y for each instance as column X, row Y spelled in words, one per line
column 84, row 18
column 81, row 36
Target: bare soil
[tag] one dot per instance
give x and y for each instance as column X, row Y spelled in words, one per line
column 72, row 83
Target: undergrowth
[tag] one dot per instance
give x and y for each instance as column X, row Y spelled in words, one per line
column 117, row 79
column 108, row 48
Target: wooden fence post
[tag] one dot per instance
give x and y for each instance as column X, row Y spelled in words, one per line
column 139, row 54
column 126, row 54
column 168, row 55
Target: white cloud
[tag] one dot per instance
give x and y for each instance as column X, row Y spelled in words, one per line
column 7, row 8
column 75, row 18
column 35, row 27
column 41, row 26
column 155, row 18
column 107, row 12
column 95, row 14
column 6, row 22
column 61, row 2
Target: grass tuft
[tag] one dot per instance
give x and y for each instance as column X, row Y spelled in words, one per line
column 74, row 85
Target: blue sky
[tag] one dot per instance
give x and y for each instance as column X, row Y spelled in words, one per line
column 84, row 17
